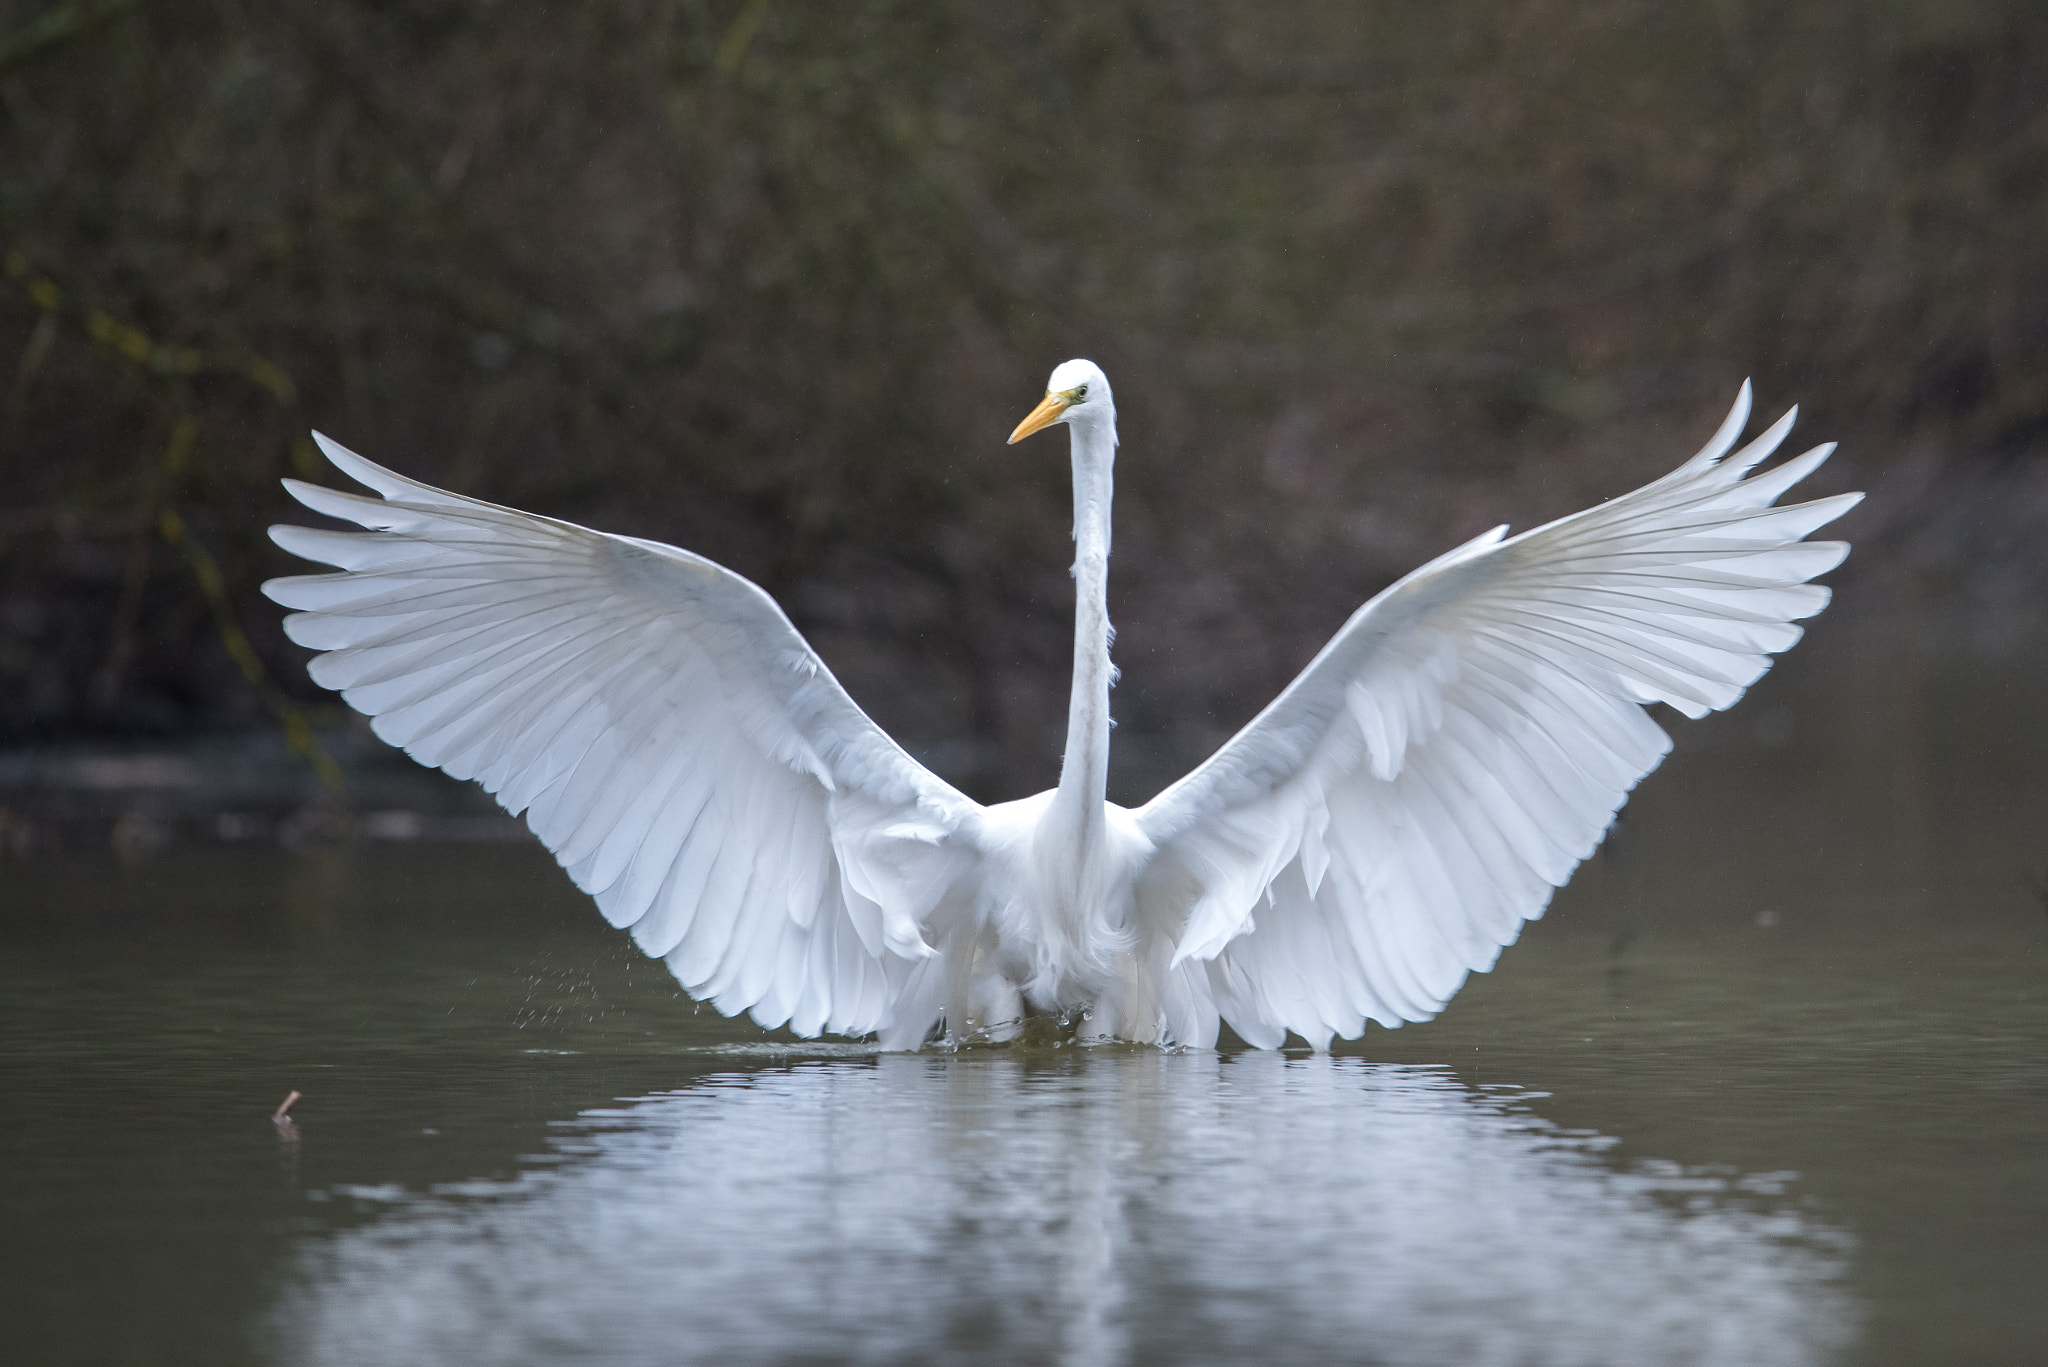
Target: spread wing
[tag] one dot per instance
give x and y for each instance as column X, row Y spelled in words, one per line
column 670, row 737
column 1392, row 819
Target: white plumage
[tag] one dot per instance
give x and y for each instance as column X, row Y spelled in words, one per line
column 1383, row 828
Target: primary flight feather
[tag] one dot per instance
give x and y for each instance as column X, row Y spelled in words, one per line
column 1382, row 829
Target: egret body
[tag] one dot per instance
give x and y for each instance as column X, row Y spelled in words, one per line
column 1384, row 827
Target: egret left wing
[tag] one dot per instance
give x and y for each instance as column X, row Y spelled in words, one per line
column 1391, row 820
column 667, row 733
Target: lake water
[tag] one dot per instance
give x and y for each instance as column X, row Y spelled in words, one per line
column 1812, row 1132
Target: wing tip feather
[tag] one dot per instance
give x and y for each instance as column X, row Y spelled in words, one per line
column 1723, row 440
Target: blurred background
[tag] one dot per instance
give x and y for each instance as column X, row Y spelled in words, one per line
column 773, row 280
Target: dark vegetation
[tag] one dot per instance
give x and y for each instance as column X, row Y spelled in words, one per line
column 774, row 279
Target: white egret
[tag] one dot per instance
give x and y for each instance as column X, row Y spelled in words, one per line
column 1380, row 830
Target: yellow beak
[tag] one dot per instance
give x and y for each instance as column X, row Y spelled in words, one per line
column 1045, row 415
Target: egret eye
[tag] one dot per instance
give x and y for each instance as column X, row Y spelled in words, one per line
column 1081, row 394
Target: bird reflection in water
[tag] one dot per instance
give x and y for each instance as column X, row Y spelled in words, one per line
column 1119, row 1206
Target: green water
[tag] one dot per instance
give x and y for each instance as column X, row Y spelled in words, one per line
column 1652, row 1135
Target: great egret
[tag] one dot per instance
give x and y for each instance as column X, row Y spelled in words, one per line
column 1383, row 828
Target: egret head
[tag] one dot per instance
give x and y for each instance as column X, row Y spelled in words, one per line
column 1077, row 392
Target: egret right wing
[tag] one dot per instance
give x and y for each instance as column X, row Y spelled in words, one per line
column 667, row 733
column 1392, row 819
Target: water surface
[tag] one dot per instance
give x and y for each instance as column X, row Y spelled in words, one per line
column 1649, row 1137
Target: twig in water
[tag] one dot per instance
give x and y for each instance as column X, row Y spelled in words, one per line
column 283, row 1113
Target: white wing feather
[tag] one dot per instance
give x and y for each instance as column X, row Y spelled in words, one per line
column 1391, row 820
column 668, row 734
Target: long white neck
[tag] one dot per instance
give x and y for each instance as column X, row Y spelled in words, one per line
column 1077, row 809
